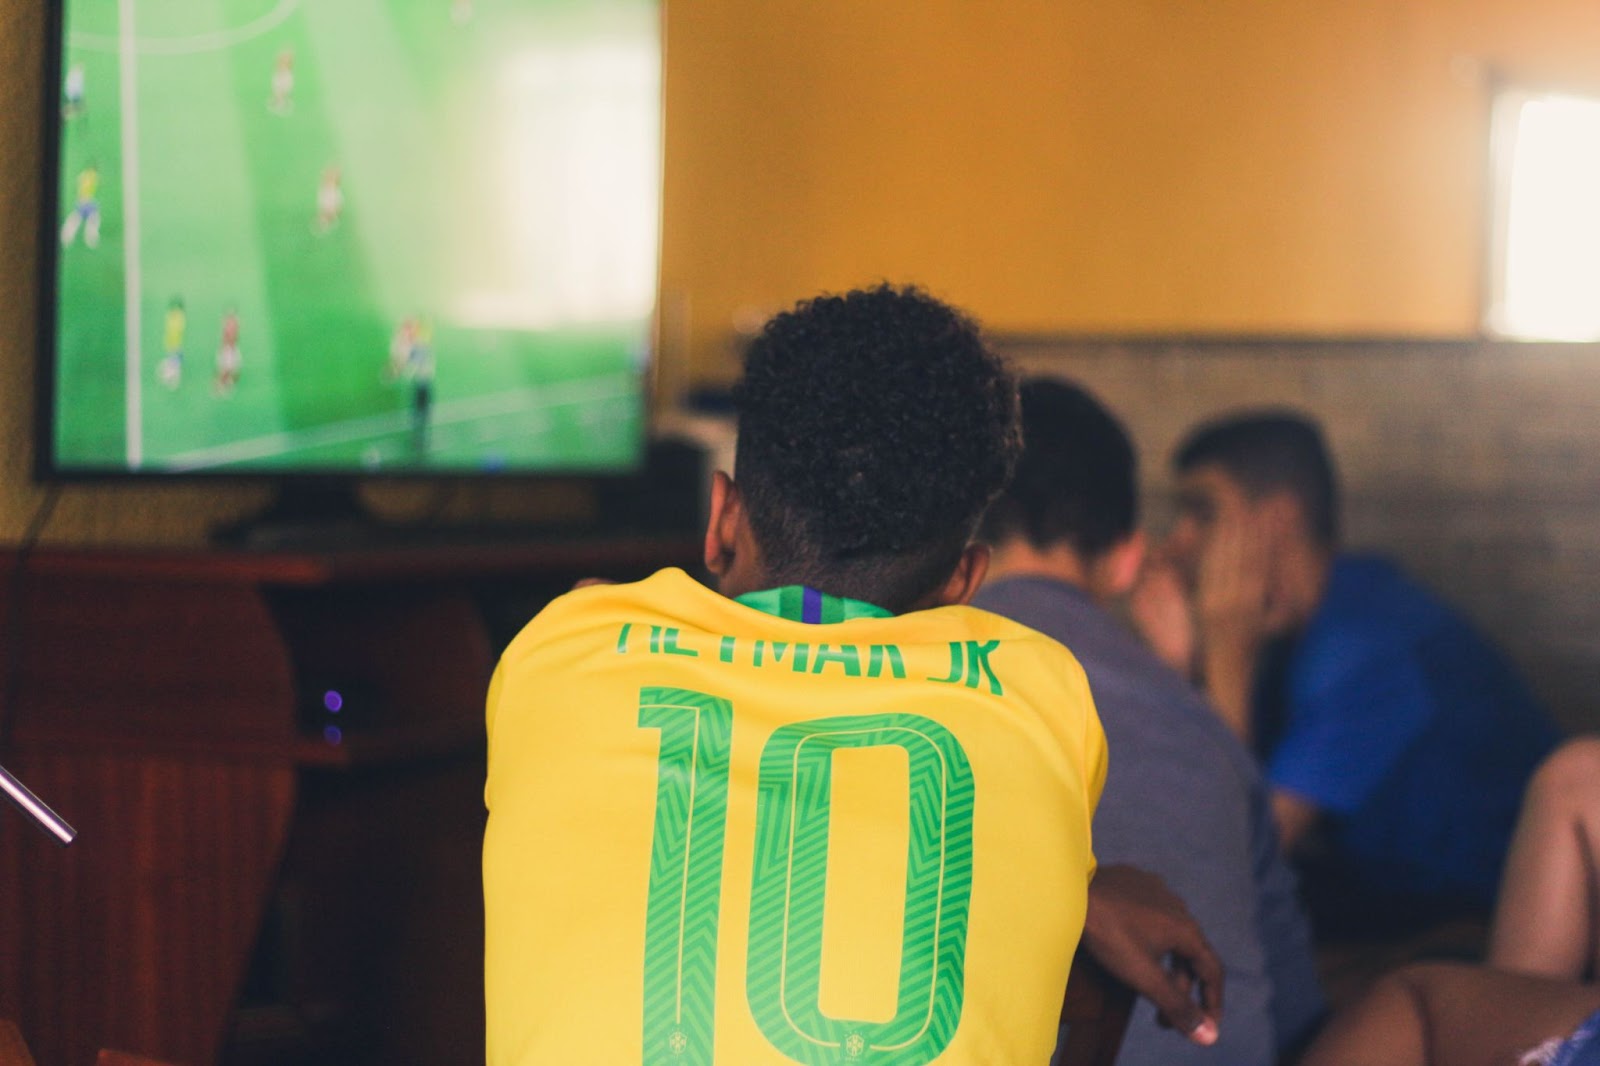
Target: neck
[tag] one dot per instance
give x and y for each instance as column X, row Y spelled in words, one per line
column 1018, row 558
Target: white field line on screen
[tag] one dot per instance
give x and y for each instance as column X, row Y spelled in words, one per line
column 181, row 46
column 450, row 412
column 132, row 281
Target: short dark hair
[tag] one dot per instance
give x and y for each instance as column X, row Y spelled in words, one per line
column 1077, row 478
column 1270, row 451
column 874, row 429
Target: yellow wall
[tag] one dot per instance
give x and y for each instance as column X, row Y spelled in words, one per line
column 1139, row 165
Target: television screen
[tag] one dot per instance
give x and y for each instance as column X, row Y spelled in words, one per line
column 350, row 236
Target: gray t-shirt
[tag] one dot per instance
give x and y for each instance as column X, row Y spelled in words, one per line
column 1183, row 799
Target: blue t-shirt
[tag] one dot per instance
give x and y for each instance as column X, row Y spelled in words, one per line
column 1412, row 734
column 1184, row 799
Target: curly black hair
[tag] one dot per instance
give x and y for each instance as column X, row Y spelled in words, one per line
column 1077, row 479
column 874, row 429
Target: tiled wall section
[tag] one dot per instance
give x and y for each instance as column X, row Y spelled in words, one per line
column 1475, row 464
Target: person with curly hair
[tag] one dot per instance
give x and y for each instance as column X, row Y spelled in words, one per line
column 826, row 813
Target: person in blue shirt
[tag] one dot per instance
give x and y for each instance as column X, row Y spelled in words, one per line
column 1397, row 739
column 1183, row 799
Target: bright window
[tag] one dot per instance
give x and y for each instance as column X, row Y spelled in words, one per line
column 1544, row 277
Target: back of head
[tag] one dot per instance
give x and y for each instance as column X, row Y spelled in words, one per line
column 1076, row 480
column 1271, row 451
column 874, row 428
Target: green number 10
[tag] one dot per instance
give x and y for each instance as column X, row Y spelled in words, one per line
column 784, row 968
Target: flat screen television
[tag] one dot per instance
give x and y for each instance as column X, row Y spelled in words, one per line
column 345, row 238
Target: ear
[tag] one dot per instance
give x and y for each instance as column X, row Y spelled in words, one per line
column 1117, row 569
column 965, row 579
column 722, row 524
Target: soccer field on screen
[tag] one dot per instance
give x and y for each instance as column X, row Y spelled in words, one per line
column 425, row 230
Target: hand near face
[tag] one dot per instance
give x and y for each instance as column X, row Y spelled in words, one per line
column 1220, row 546
column 1233, row 584
column 1160, row 610
column 1233, row 606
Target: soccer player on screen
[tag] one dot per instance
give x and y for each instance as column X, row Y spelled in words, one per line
column 825, row 813
column 72, row 91
column 174, row 327
column 330, row 200
column 401, row 344
column 85, row 212
column 228, row 358
column 281, row 102
column 419, row 371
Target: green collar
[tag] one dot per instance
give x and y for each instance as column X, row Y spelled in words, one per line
column 798, row 603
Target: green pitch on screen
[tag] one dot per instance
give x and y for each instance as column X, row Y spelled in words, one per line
column 454, row 200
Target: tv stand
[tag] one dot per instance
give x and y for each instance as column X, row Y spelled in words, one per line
column 314, row 514
column 327, row 514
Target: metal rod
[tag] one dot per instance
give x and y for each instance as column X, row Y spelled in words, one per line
column 35, row 808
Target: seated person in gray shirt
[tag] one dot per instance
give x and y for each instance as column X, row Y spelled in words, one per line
column 1183, row 799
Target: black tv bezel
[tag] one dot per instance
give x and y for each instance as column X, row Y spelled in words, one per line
column 46, row 251
column 46, row 469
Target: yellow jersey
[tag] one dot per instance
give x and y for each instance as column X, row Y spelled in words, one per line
column 785, row 828
column 177, row 322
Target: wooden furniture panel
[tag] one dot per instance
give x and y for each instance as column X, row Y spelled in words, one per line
column 168, row 705
column 108, row 1057
column 133, row 936
column 160, row 715
column 106, row 662
column 13, row 1049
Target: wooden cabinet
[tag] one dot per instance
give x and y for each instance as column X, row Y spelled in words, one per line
column 274, row 763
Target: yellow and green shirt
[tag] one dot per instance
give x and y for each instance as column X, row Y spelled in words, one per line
column 785, row 828
column 177, row 322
